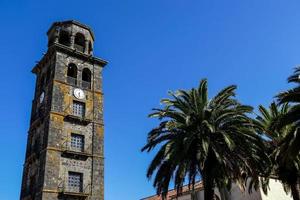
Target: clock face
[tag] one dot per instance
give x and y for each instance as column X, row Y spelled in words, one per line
column 79, row 94
column 42, row 96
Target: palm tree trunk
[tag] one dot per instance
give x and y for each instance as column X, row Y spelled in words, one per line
column 194, row 195
column 208, row 187
column 208, row 182
column 224, row 194
column 209, row 193
column 295, row 191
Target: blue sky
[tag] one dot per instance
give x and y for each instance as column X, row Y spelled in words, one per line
column 152, row 47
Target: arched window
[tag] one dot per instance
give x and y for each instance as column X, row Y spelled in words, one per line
column 64, row 38
column 72, row 74
column 79, row 42
column 86, row 78
column 90, row 47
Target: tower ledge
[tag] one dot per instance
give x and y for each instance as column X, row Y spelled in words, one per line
column 62, row 48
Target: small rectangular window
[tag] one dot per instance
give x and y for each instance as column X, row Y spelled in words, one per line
column 77, row 142
column 78, row 108
column 75, row 182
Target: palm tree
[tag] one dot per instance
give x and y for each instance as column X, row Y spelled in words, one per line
column 291, row 96
column 284, row 167
column 200, row 138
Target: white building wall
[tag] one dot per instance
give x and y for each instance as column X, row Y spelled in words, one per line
column 185, row 197
column 237, row 194
column 276, row 192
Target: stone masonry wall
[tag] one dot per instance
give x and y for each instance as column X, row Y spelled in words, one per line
column 49, row 162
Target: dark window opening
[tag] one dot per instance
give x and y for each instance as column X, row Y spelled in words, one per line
column 78, row 108
column 72, row 74
column 64, row 38
column 79, row 42
column 75, row 182
column 77, row 142
column 86, row 78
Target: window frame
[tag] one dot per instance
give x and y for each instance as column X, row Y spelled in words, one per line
column 79, row 42
column 86, row 78
column 78, row 108
column 75, row 181
column 77, row 142
column 72, row 74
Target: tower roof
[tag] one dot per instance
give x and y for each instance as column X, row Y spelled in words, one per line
column 69, row 22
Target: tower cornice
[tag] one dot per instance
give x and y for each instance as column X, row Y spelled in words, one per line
column 72, row 22
column 73, row 52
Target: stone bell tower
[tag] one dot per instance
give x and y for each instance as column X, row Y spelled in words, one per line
column 64, row 156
